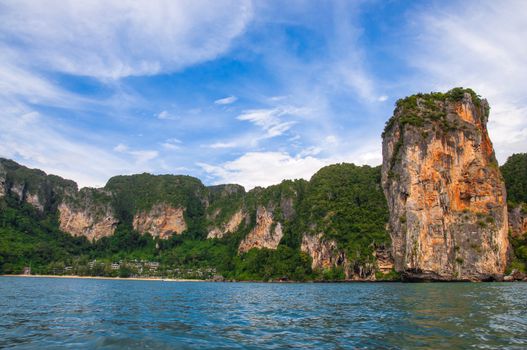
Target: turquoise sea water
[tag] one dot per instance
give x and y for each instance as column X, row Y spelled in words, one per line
column 78, row 313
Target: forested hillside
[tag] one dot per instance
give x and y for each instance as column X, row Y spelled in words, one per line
column 515, row 174
column 342, row 201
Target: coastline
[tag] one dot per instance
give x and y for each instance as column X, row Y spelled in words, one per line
column 154, row 279
column 159, row 279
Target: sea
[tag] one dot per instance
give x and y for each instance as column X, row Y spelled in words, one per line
column 50, row 313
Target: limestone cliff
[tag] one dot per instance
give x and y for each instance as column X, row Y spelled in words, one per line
column 161, row 221
column 87, row 213
column 229, row 227
column 325, row 254
column 84, row 223
column 22, row 193
column 266, row 234
column 446, row 196
column 35, row 201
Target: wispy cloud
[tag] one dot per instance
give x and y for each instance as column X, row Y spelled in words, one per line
column 104, row 38
column 263, row 169
column 305, row 78
column 28, row 136
column 121, row 148
column 172, row 144
column 165, row 115
column 271, row 120
column 480, row 44
column 267, row 168
column 141, row 156
column 223, row 145
column 226, row 100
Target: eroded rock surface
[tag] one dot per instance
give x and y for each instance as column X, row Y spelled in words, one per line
column 34, row 200
column 266, row 233
column 324, row 253
column 229, row 227
column 161, row 221
column 384, row 260
column 446, row 196
column 86, row 222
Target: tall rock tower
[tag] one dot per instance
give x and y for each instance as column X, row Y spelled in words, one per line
column 446, row 196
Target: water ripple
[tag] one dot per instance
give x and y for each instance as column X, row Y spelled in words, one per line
column 105, row 314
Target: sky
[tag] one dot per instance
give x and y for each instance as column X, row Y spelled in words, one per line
column 247, row 92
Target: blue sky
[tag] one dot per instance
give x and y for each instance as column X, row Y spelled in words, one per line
column 248, row 92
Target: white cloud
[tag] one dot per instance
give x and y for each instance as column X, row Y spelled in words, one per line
column 165, row 115
column 223, row 145
column 226, row 100
column 143, row 156
column 263, row 169
column 174, row 140
column 270, row 120
column 20, row 85
column 121, row 148
column 103, row 39
column 267, row 168
column 171, row 144
column 480, row 45
column 277, row 98
column 331, row 139
column 310, row 151
column 118, row 38
column 382, row 98
column 294, row 138
column 28, row 137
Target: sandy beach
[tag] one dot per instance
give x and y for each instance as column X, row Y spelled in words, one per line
column 156, row 279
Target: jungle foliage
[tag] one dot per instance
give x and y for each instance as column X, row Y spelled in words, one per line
column 343, row 200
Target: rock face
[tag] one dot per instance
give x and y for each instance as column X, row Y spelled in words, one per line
column 84, row 222
column 34, row 200
column 87, row 212
column 324, row 253
column 266, row 233
column 229, row 227
column 161, row 221
column 384, row 260
column 446, row 196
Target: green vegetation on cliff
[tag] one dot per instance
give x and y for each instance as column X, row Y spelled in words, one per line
column 141, row 192
column 418, row 109
column 344, row 201
column 514, row 173
column 30, row 238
